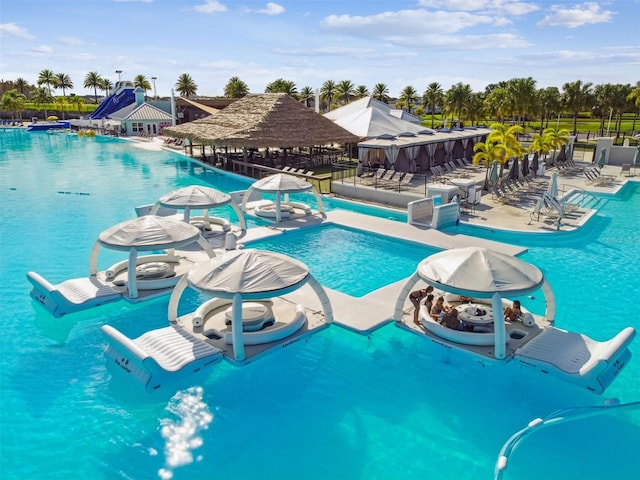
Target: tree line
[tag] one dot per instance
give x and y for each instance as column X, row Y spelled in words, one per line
column 516, row 100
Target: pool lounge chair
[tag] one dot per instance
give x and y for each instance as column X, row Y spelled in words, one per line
column 626, row 168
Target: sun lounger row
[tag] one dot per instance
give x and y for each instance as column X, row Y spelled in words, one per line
column 296, row 171
column 390, row 179
column 513, row 191
column 597, row 179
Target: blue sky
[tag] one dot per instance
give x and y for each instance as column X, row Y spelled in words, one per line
column 395, row 42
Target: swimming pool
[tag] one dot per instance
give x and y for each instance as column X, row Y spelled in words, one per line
column 384, row 406
column 340, row 257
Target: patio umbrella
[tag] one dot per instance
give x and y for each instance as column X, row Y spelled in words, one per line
column 562, row 155
column 534, row 163
column 493, row 174
column 552, row 189
column 525, row 165
column 514, row 171
column 603, row 158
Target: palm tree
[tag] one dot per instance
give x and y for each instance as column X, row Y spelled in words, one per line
column 345, row 90
column 185, row 85
column 475, row 108
column 620, row 104
column 523, row 94
column 486, row 153
column 106, row 86
column 48, row 78
column 41, row 96
column 457, row 98
column 540, row 144
column 77, row 102
column 22, row 85
column 14, row 102
column 409, row 96
column 235, row 88
column 604, row 97
column 328, row 91
column 549, row 103
column 498, row 104
column 555, row 138
column 140, row 81
column 306, row 94
column 575, row 97
column 508, row 137
column 93, row 80
column 361, row 91
column 282, row 86
column 432, row 98
column 63, row 81
column 381, row 92
column 634, row 97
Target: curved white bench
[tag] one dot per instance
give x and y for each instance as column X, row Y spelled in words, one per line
column 153, row 272
column 204, row 223
column 481, row 336
column 272, row 334
column 268, row 210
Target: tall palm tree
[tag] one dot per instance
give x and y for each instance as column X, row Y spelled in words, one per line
column 634, row 98
column 498, row 104
column 306, row 94
column 77, row 102
column 457, row 98
column 620, row 104
column 328, row 92
column 549, row 103
column 432, row 98
column 345, row 90
column 381, row 92
column 22, row 85
column 185, row 85
column 14, row 102
column 409, row 96
column 142, row 82
column 235, row 88
column 282, row 86
column 575, row 97
column 41, row 96
column 64, row 82
column 106, row 86
column 523, row 94
column 48, row 78
column 93, row 80
column 361, row 91
column 475, row 108
column 604, row 97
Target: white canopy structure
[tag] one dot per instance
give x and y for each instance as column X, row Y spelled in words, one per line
column 279, row 184
column 247, row 274
column 196, row 197
column 145, row 234
column 481, row 273
column 370, row 118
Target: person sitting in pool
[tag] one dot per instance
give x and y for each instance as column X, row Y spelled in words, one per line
column 451, row 320
column 438, row 309
column 416, row 297
column 514, row 312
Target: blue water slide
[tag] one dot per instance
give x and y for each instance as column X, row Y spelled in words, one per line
column 113, row 103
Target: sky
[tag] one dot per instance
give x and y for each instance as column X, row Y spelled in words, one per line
column 395, row 42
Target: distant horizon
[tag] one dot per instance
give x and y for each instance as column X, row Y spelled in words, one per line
column 398, row 43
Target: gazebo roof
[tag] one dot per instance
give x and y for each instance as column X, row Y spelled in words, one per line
column 264, row 120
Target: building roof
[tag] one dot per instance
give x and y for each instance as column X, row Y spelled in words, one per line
column 370, row 118
column 264, row 120
column 145, row 111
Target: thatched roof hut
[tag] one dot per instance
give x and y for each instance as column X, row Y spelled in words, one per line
column 262, row 121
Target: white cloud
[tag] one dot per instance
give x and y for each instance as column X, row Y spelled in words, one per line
column 353, row 52
column 71, row 41
column 465, row 42
column 211, row 6
column 576, row 16
column 131, row 1
column 614, row 55
column 272, row 9
column 510, row 7
column 13, row 30
column 405, row 22
column 42, row 49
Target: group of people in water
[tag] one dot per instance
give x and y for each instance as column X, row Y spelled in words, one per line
column 448, row 316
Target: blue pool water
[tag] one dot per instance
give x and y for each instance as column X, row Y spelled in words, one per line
column 344, row 406
column 333, row 253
